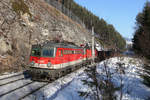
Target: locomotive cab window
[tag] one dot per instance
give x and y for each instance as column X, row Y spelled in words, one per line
column 35, row 52
column 48, row 52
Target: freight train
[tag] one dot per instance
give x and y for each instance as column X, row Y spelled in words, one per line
column 52, row 60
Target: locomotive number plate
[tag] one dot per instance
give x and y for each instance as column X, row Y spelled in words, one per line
column 42, row 65
column 41, row 61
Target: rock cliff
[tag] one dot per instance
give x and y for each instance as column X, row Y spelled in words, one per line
column 27, row 22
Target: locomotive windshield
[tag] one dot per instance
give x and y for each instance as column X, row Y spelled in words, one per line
column 48, row 52
column 35, row 52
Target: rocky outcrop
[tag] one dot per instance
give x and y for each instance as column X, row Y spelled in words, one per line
column 27, row 22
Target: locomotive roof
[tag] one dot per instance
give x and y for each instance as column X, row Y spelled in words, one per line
column 61, row 45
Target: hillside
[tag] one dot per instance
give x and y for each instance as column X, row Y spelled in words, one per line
column 106, row 33
column 23, row 23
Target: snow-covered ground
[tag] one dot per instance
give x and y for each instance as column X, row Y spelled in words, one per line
column 49, row 91
column 133, row 88
column 67, row 87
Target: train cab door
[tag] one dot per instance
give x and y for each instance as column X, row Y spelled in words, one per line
column 85, row 56
column 59, row 53
column 60, row 56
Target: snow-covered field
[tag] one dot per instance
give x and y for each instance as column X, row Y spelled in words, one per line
column 67, row 87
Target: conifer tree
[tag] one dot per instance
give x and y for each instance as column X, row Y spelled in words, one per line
column 100, row 86
column 141, row 40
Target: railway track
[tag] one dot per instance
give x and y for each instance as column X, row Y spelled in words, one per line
column 11, row 76
column 32, row 92
column 15, row 89
column 9, row 93
column 11, row 81
column 29, row 92
column 23, row 91
column 14, row 78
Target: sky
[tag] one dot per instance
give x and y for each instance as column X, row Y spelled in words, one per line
column 120, row 13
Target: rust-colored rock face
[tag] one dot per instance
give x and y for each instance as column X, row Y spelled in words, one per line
column 27, row 22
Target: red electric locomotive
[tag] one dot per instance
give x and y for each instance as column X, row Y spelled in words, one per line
column 52, row 60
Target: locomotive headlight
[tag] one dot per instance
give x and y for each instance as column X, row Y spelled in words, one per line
column 49, row 64
column 32, row 63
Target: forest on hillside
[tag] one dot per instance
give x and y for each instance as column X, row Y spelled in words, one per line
column 141, row 40
column 106, row 33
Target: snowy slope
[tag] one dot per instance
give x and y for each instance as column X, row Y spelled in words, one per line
column 133, row 88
